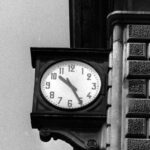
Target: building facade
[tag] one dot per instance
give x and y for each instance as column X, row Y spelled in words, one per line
column 122, row 26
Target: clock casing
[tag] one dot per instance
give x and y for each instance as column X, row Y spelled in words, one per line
column 47, row 114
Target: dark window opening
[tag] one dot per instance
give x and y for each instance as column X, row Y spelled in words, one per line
column 88, row 23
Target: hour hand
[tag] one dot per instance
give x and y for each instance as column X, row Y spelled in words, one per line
column 63, row 79
column 74, row 89
column 67, row 81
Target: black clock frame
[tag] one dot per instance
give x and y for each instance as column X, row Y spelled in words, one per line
column 46, row 115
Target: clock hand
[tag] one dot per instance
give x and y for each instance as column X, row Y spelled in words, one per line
column 63, row 79
column 78, row 98
column 73, row 88
column 71, row 85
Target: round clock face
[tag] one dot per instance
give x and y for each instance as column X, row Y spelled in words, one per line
column 70, row 84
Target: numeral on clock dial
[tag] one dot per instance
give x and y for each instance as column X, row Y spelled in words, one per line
column 61, row 70
column 53, row 76
column 60, row 99
column 94, row 86
column 71, row 68
column 89, row 76
column 69, row 103
column 47, row 85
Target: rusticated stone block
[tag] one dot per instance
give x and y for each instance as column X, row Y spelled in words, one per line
column 137, row 144
column 137, row 87
column 140, row 69
column 136, row 127
column 136, row 32
column 138, row 107
column 136, row 50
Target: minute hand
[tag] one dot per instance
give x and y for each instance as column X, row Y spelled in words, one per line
column 74, row 89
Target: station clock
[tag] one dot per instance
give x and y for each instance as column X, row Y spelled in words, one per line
column 70, row 87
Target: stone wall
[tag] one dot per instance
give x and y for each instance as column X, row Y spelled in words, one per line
column 137, row 75
column 133, row 100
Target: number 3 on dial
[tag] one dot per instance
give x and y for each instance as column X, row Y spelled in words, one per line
column 70, row 84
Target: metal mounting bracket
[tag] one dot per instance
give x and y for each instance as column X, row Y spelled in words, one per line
column 84, row 139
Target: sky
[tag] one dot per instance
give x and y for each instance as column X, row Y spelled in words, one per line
column 25, row 24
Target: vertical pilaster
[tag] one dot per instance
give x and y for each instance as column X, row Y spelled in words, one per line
column 114, row 110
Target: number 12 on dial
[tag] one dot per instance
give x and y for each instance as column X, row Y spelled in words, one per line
column 70, row 84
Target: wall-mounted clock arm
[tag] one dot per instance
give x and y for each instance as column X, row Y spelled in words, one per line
column 83, row 140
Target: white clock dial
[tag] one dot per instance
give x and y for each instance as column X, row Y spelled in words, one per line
column 70, row 84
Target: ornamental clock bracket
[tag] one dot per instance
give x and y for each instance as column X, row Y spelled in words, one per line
column 70, row 95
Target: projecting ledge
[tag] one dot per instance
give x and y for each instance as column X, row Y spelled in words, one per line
column 127, row 17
